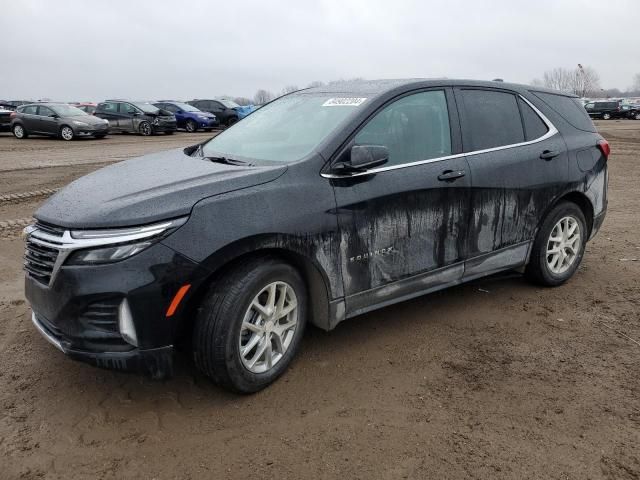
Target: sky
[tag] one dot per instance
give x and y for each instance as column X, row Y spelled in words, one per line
column 92, row 50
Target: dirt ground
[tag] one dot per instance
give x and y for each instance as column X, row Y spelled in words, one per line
column 490, row 380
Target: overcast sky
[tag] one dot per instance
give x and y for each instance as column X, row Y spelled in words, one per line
column 92, row 50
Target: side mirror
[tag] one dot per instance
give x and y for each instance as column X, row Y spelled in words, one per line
column 363, row 157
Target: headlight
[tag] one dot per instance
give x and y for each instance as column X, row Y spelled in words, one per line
column 156, row 121
column 105, row 120
column 107, row 255
column 91, row 247
column 82, row 124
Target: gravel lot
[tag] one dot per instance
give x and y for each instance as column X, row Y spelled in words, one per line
column 489, row 380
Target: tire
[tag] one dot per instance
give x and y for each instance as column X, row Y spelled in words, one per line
column 606, row 116
column 220, row 332
column 636, row 116
column 19, row 132
column 232, row 121
column 555, row 269
column 66, row 133
column 191, row 126
column 145, row 129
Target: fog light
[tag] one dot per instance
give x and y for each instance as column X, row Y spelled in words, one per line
column 125, row 323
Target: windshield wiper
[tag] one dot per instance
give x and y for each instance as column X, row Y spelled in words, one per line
column 229, row 161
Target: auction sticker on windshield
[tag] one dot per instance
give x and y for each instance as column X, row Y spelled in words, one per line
column 344, row 102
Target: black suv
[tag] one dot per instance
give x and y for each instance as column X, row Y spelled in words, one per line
column 224, row 110
column 320, row 206
column 605, row 109
column 136, row 117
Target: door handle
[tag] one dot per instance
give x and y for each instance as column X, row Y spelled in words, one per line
column 549, row 154
column 451, row 175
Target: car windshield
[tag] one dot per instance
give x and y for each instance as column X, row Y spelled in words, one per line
column 228, row 103
column 146, row 107
column 285, row 130
column 185, row 107
column 67, row 111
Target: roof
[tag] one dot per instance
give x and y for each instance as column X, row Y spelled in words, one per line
column 378, row 87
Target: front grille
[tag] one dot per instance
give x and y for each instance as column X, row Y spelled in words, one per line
column 40, row 257
column 39, row 261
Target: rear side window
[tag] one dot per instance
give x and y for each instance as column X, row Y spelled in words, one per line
column 30, row 110
column 568, row 108
column 45, row 112
column 534, row 126
column 492, row 119
column 413, row 128
column 108, row 107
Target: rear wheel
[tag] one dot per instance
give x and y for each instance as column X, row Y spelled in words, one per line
column 191, row 126
column 637, row 116
column 559, row 246
column 19, row 132
column 250, row 324
column 606, row 116
column 66, row 133
column 231, row 121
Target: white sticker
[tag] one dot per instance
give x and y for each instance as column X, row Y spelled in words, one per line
column 344, row 102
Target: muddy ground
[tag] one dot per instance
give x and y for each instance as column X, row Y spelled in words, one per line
column 490, row 380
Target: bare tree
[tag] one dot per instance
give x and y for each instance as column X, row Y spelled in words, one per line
column 262, row 96
column 316, row 83
column 243, row 100
column 581, row 81
column 289, row 89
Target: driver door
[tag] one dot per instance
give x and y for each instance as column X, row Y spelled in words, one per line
column 403, row 225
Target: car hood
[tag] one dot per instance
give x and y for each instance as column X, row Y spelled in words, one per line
column 147, row 189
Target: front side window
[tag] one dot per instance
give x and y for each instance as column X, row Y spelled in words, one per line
column 413, row 128
column 127, row 108
column 493, row 119
column 108, row 107
column 287, row 129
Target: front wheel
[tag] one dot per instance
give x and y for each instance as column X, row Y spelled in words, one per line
column 191, row 126
column 232, row 121
column 606, row 116
column 145, row 129
column 66, row 133
column 559, row 246
column 250, row 324
column 637, row 116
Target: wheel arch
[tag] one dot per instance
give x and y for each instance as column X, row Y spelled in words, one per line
column 578, row 198
column 316, row 280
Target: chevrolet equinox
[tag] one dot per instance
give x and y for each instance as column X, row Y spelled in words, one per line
column 324, row 204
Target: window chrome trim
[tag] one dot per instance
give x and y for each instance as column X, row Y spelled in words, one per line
column 552, row 130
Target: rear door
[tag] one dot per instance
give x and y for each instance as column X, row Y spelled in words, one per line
column 29, row 116
column 518, row 162
column 109, row 111
column 47, row 120
column 127, row 116
column 403, row 225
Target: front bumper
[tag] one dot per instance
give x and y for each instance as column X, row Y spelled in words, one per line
column 79, row 312
column 157, row 362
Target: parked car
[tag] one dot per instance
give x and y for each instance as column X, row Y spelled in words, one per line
column 605, row 109
column 631, row 111
column 189, row 117
column 136, row 117
column 227, row 111
column 320, row 206
column 56, row 119
column 87, row 107
column 5, row 118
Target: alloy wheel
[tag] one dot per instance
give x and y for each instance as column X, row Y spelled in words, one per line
column 564, row 244
column 66, row 133
column 18, row 131
column 145, row 129
column 268, row 327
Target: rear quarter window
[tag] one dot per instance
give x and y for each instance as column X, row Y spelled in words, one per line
column 568, row 108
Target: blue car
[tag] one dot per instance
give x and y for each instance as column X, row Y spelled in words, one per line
column 189, row 117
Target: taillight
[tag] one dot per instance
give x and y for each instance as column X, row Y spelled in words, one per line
column 12, row 114
column 604, row 147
